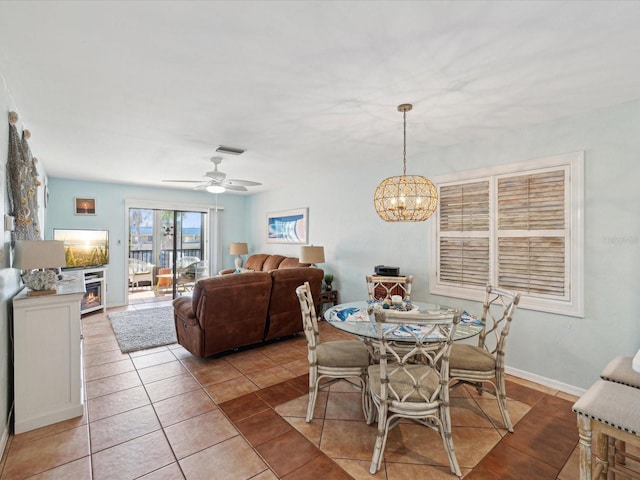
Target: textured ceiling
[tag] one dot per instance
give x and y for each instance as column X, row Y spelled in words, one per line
column 138, row 92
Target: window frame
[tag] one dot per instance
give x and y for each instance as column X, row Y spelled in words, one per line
column 573, row 162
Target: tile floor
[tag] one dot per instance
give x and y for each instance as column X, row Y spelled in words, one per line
column 164, row 414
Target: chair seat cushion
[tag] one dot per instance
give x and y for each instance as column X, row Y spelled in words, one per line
column 403, row 384
column 470, row 357
column 620, row 370
column 343, row 353
column 611, row 403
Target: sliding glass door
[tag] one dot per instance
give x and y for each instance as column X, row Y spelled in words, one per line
column 172, row 243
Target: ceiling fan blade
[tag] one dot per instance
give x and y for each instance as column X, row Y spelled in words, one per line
column 183, row 181
column 216, row 175
column 244, row 183
column 237, row 188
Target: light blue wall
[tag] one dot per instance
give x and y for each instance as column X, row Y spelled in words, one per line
column 566, row 351
column 111, row 215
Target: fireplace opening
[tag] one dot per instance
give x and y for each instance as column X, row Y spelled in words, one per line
column 93, row 296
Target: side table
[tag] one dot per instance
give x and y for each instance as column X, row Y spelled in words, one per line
column 330, row 296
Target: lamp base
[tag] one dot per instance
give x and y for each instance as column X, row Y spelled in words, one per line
column 238, row 263
column 37, row 293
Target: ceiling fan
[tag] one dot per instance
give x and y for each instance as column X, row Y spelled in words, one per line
column 215, row 181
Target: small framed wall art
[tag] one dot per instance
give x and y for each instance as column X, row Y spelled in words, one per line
column 84, row 206
column 288, row 226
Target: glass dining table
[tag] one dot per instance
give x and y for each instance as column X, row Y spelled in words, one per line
column 354, row 317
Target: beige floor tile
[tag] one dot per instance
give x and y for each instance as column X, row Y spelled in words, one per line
column 46, row 453
column 162, row 371
column 215, row 372
column 181, row 407
column 404, row 471
column 297, row 367
column 106, row 346
column 122, row 427
column 149, row 351
column 359, row 469
column 567, row 396
column 270, row 376
column 198, row 433
column 571, row 469
column 348, row 439
column 112, row 384
column 170, row 472
column 232, row 459
column 298, row 407
column 312, row 431
column 234, row 388
column 344, row 406
column 266, row 475
column 250, row 361
column 77, row 470
column 152, row 359
column 516, row 410
column 42, row 432
column 114, row 403
column 170, row 387
column 465, row 412
column 532, row 385
column 134, row 458
column 108, row 369
column 104, row 357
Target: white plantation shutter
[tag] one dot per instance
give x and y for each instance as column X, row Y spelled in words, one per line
column 518, row 227
column 532, row 239
column 464, row 239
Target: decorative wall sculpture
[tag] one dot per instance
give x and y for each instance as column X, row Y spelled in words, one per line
column 23, row 183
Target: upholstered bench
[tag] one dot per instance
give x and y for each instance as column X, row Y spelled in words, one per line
column 620, row 370
column 609, row 411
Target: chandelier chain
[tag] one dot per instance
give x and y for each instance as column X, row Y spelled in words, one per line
column 404, row 148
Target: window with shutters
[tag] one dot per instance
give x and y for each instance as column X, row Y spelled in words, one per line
column 518, row 227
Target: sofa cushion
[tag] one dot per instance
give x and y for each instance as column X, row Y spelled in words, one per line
column 272, row 262
column 292, row 262
column 256, row 261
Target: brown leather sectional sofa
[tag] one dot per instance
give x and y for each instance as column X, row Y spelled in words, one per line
column 230, row 311
column 264, row 262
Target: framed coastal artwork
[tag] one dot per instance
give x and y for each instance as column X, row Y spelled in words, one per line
column 288, row 226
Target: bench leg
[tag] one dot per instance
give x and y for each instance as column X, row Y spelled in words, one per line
column 585, row 434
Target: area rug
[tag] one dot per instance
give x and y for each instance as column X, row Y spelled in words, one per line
column 141, row 329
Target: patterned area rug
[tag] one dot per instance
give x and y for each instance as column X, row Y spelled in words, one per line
column 141, row 329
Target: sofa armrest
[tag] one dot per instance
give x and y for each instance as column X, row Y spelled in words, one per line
column 183, row 311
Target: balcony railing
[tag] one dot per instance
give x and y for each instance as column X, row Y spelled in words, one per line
column 166, row 256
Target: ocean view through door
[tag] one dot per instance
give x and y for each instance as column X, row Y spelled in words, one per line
column 167, row 252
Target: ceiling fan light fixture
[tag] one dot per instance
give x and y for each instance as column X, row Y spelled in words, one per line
column 229, row 150
column 215, row 189
column 405, row 198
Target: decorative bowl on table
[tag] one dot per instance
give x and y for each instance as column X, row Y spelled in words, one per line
column 404, row 306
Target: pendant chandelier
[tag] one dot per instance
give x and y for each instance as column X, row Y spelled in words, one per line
column 407, row 198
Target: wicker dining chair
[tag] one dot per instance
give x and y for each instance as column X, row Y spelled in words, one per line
column 484, row 362
column 412, row 382
column 337, row 360
column 380, row 287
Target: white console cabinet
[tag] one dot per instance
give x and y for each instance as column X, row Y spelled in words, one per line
column 47, row 336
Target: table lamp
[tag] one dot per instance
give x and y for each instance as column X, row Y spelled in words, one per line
column 312, row 254
column 238, row 249
column 34, row 256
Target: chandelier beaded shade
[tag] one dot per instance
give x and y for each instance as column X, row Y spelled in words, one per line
column 406, row 198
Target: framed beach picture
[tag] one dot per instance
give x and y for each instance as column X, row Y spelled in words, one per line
column 84, row 206
column 288, row 226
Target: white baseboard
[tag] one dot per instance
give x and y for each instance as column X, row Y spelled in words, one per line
column 4, row 438
column 547, row 382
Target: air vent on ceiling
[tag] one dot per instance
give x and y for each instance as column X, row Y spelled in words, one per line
column 230, row 150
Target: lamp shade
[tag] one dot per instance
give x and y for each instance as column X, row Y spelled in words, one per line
column 311, row 254
column 34, row 254
column 238, row 249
